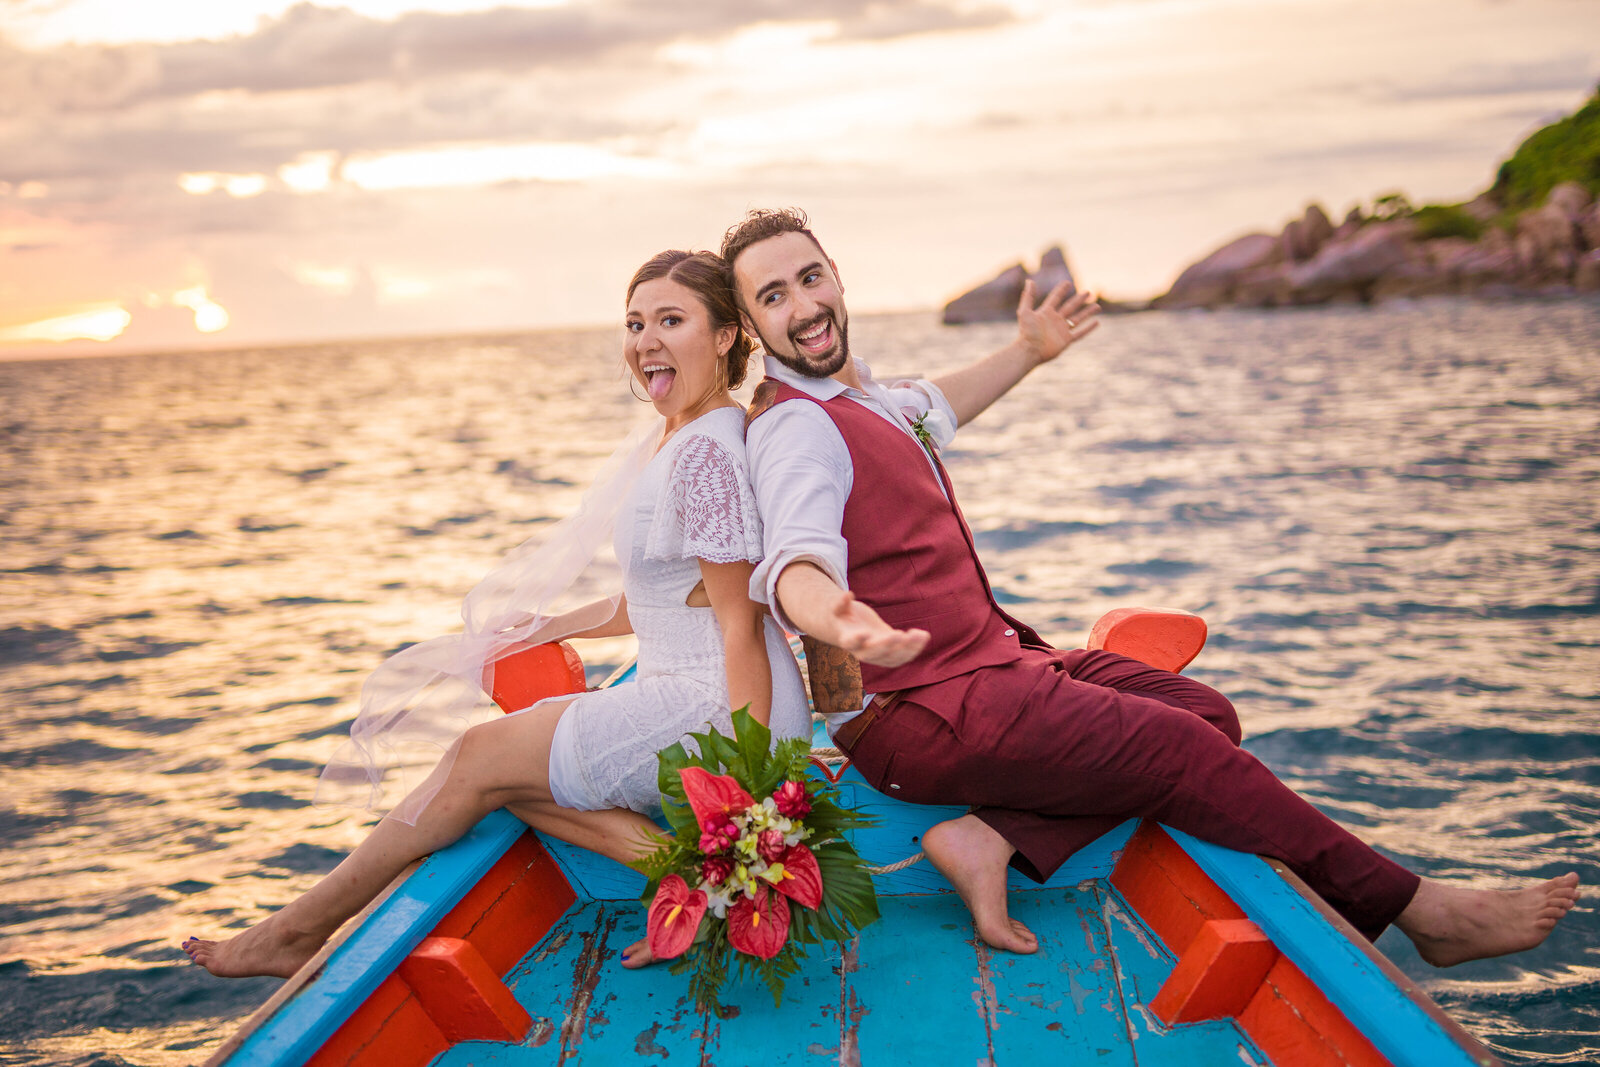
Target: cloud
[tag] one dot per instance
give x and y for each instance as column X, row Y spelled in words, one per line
column 325, row 79
column 882, row 22
column 259, row 133
column 1566, row 72
column 313, row 47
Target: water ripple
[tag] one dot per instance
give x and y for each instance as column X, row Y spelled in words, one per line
column 1389, row 518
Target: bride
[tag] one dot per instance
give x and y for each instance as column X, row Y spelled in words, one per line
column 583, row 768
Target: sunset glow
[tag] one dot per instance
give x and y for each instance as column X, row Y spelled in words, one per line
column 336, row 280
column 237, row 185
column 347, row 168
column 310, row 173
column 209, row 316
column 489, row 164
column 95, row 324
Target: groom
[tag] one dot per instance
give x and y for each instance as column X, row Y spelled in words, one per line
column 867, row 552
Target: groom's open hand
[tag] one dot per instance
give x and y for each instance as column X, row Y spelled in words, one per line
column 864, row 634
column 1062, row 317
column 827, row 611
column 1043, row 333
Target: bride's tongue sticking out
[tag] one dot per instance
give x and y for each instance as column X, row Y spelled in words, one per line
column 659, row 382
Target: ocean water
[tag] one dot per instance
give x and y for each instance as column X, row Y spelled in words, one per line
column 1390, row 518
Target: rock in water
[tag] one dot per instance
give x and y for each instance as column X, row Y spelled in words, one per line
column 996, row 300
column 1569, row 198
column 1504, row 242
column 1306, row 235
column 1053, row 270
column 1589, row 226
column 1347, row 270
column 1547, row 242
column 1586, row 278
column 1212, row 281
column 993, row 301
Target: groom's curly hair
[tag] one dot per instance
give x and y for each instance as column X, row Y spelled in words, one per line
column 760, row 224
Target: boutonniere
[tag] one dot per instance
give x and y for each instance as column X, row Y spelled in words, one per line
column 929, row 429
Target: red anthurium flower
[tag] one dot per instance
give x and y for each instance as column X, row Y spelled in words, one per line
column 802, row 878
column 674, row 918
column 791, row 800
column 713, row 797
column 759, row 926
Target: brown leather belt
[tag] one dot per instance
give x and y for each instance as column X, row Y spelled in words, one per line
column 847, row 735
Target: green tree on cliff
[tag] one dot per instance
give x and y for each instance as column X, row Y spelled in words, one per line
column 1564, row 151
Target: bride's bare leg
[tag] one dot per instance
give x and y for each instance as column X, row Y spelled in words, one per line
column 499, row 764
column 618, row 833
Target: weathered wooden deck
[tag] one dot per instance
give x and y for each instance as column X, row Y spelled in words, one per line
column 502, row 929
column 916, row 987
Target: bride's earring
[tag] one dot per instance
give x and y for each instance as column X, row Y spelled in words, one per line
column 632, row 381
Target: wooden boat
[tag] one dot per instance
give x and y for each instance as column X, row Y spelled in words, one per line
column 1155, row 948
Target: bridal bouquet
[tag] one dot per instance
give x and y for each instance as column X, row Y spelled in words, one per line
column 747, row 879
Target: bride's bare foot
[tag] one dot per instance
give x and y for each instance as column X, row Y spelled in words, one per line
column 261, row 950
column 637, row 955
column 973, row 857
column 1451, row 925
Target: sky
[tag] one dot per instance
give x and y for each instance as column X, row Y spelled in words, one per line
column 182, row 173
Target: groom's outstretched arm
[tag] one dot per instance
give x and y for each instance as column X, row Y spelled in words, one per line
column 802, row 473
column 821, row 608
column 1043, row 333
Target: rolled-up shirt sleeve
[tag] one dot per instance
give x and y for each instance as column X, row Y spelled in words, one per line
column 802, row 473
column 918, row 396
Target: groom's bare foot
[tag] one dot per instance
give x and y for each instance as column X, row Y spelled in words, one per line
column 1451, row 925
column 261, row 950
column 637, row 955
column 973, row 857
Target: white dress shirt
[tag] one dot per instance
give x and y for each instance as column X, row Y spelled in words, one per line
column 801, row 469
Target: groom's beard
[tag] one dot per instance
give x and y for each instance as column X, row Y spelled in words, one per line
column 824, row 366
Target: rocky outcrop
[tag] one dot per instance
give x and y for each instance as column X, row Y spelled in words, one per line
column 1589, row 226
column 1222, row 277
column 1551, row 249
column 1352, row 267
column 996, row 300
column 1305, row 236
column 992, row 301
column 1586, row 278
column 1053, row 270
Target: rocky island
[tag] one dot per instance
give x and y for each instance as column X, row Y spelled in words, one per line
column 1534, row 232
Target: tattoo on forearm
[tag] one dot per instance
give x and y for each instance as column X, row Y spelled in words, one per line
column 835, row 677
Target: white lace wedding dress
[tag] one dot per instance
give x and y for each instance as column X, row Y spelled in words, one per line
column 693, row 501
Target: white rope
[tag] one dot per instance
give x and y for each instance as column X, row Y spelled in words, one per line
column 902, row 865
column 831, row 756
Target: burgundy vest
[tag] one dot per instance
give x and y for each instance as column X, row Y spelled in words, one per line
column 910, row 554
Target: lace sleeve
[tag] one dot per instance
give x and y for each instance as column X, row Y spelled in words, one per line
column 707, row 508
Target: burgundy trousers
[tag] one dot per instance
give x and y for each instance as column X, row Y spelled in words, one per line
column 1055, row 749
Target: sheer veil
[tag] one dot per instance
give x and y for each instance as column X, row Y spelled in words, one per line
column 420, row 700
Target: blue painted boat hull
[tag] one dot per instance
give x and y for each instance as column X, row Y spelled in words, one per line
column 1155, row 948
column 916, row 987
